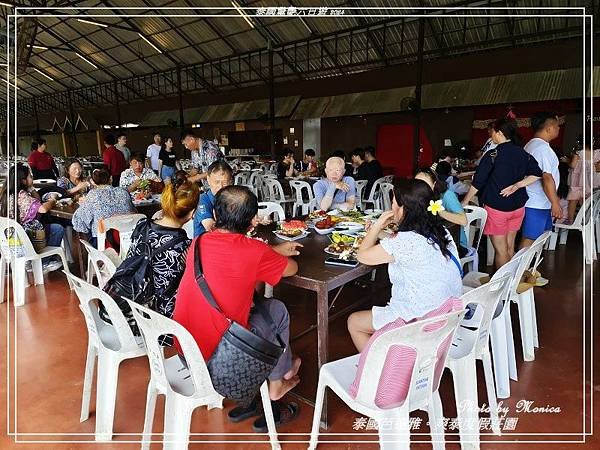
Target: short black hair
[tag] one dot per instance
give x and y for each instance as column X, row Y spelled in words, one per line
column 110, row 139
column 235, row 207
column 443, row 169
column 287, row 151
column 37, row 143
column 138, row 157
column 100, row 176
column 154, row 133
column 370, row 149
column 538, row 121
column 220, row 166
column 309, row 152
column 359, row 152
column 121, row 134
column 339, row 154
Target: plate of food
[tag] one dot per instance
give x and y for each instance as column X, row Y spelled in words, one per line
column 47, row 196
column 325, row 226
column 373, row 212
column 337, row 248
column 349, row 226
column 292, row 230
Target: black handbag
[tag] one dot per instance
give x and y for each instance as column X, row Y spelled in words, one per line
column 243, row 360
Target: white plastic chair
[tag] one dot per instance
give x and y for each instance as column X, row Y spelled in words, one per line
column 241, row 178
column 471, row 342
column 111, row 344
column 99, row 265
column 423, row 339
column 303, row 206
column 476, row 219
column 256, row 182
column 266, row 209
column 501, row 336
column 184, row 388
column 245, row 166
column 9, row 227
column 387, row 193
column 526, row 301
column 189, row 228
column 124, row 224
column 374, row 197
column 276, row 193
column 583, row 223
column 360, row 187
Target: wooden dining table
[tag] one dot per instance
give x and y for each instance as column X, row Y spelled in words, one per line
column 66, row 211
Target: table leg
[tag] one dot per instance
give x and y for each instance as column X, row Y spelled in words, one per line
column 322, row 339
column 77, row 248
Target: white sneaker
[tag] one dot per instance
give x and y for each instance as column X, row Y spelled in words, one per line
column 51, row 266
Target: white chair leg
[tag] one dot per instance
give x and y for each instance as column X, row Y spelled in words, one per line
column 178, row 418
column 536, row 342
column 3, row 275
column 88, row 378
column 564, row 234
column 394, row 429
column 500, row 357
column 151, row 395
column 266, row 402
column 525, row 322
column 552, row 240
column 491, row 391
column 106, row 394
column 268, row 291
column 510, row 345
column 90, row 271
column 314, row 434
column 65, row 267
column 464, row 378
column 436, row 422
column 38, row 271
column 19, row 282
column 490, row 252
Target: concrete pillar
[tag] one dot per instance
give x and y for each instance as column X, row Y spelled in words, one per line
column 311, row 135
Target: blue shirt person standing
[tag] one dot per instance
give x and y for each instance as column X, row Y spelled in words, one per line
column 219, row 175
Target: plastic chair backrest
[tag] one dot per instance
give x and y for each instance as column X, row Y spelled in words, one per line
column 389, row 179
column 387, row 193
column 427, row 341
column 486, row 298
column 88, row 294
column 275, row 190
column 476, row 219
column 9, row 227
column 152, row 325
column 103, row 267
column 585, row 213
column 299, row 187
column 245, row 166
column 255, row 179
column 241, row 178
column 360, row 187
column 530, row 257
column 124, row 224
column 265, row 209
column 375, row 191
column 273, row 168
column 189, row 228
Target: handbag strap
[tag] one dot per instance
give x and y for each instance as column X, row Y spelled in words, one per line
column 203, row 285
column 452, row 257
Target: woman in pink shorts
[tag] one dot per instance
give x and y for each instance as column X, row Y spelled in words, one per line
column 583, row 165
column 498, row 182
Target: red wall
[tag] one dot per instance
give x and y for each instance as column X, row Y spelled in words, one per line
column 395, row 148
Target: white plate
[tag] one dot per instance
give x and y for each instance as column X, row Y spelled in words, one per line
column 324, row 230
column 333, row 212
column 373, row 211
column 47, row 195
column 288, row 238
column 44, row 181
column 329, row 252
column 350, row 226
column 65, row 200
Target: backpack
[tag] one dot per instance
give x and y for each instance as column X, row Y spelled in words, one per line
column 134, row 279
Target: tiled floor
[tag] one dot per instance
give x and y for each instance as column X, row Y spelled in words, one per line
column 51, row 343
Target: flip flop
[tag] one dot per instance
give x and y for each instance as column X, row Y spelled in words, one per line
column 282, row 413
column 240, row 413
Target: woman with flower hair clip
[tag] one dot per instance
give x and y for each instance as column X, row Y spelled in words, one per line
column 422, row 260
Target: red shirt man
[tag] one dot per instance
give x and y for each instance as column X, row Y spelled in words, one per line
column 42, row 163
column 115, row 162
column 232, row 265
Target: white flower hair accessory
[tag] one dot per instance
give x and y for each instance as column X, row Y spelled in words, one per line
column 435, row 207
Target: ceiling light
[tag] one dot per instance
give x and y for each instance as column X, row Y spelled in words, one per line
column 242, row 13
column 87, row 61
column 38, row 47
column 150, row 43
column 42, row 73
column 103, row 25
column 7, row 5
column 130, row 125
